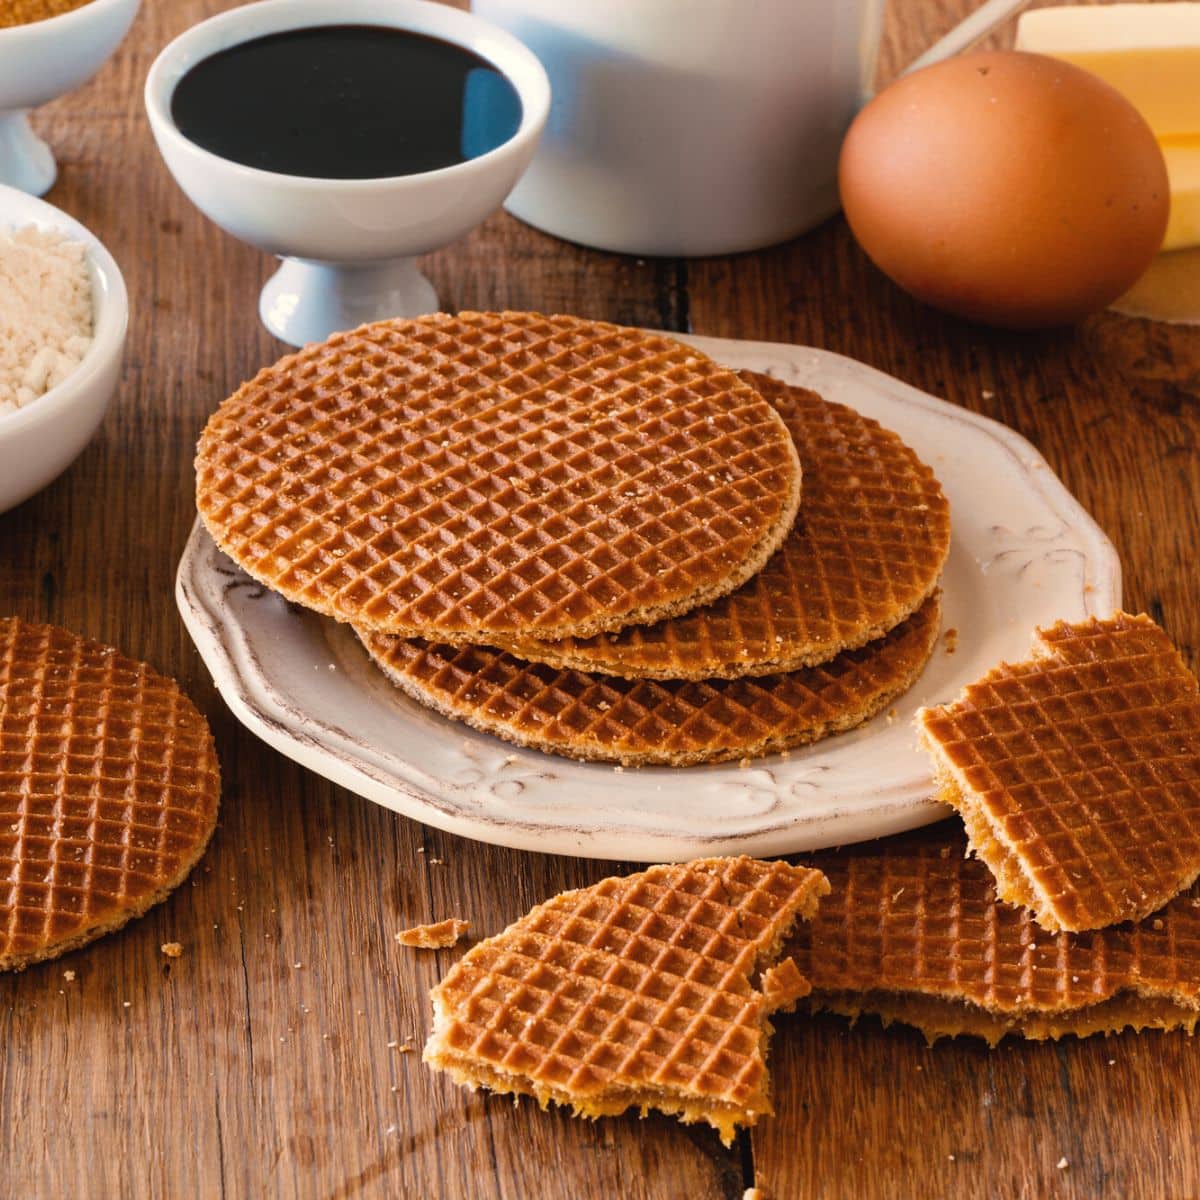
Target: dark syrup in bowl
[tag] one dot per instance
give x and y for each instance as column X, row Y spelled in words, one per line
column 346, row 102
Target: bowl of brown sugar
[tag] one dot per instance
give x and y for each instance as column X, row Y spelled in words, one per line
column 48, row 48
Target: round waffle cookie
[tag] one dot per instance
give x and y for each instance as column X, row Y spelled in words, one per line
column 643, row 722
column 466, row 477
column 865, row 552
column 108, row 790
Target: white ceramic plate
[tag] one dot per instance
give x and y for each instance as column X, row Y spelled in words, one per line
column 1023, row 553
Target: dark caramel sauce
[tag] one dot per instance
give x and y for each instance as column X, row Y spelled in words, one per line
column 346, row 102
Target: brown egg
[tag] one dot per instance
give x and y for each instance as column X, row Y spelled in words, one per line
column 1006, row 187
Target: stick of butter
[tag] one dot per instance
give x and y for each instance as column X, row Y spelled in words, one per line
column 1183, row 170
column 1148, row 52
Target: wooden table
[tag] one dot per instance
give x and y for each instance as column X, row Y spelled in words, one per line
column 277, row 1056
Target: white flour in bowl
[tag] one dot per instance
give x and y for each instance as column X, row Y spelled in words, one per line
column 45, row 312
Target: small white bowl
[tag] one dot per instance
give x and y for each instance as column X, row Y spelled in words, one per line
column 44, row 60
column 39, row 441
column 348, row 243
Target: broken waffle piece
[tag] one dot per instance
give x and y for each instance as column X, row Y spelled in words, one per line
column 639, row 992
column 438, row 936
column 1077, row 773
column 917, row 934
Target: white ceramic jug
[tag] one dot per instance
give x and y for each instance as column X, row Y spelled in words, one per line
column 692, row 127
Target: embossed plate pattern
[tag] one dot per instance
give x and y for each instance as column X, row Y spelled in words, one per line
column 1024, row 553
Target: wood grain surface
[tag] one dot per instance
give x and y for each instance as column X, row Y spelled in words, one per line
column 279, row 1056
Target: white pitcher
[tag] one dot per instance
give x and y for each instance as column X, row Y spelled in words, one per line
column 692, row 127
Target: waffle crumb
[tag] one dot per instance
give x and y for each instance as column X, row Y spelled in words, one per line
column 172, row 949
column 438, row 936
column 69, row 976
column 1062, row 1164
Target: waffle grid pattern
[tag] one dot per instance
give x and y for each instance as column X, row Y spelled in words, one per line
column 507, row 473
column 642, row 721
column 1078, row 772
column 865, row 552
column 108, row 789
column 630, row 992
column 922, row 922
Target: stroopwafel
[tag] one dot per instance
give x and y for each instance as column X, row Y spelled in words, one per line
column 1077, row 773
column 109, row 787
column 915, row 933
column 865, row 552
column 460, row 477
column 638, row 722
column 637, row 992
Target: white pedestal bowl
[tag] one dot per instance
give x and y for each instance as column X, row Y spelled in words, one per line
column 348, row 244
column 38, row 442
column 38, row 63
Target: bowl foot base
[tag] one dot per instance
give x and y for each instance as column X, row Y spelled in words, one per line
column 25, row 160
column 307, row 301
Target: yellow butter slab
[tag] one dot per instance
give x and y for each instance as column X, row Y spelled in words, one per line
column 1183, row 170
column 1148, row 52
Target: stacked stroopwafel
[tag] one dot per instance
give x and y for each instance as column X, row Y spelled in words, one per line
column 865, row 553
column 108, row 790
column 1077, row 773
column 917, row 934
column 490, row 474
column 537, row 526
column 643, row 722
column 823, row 638
column 649, row 991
